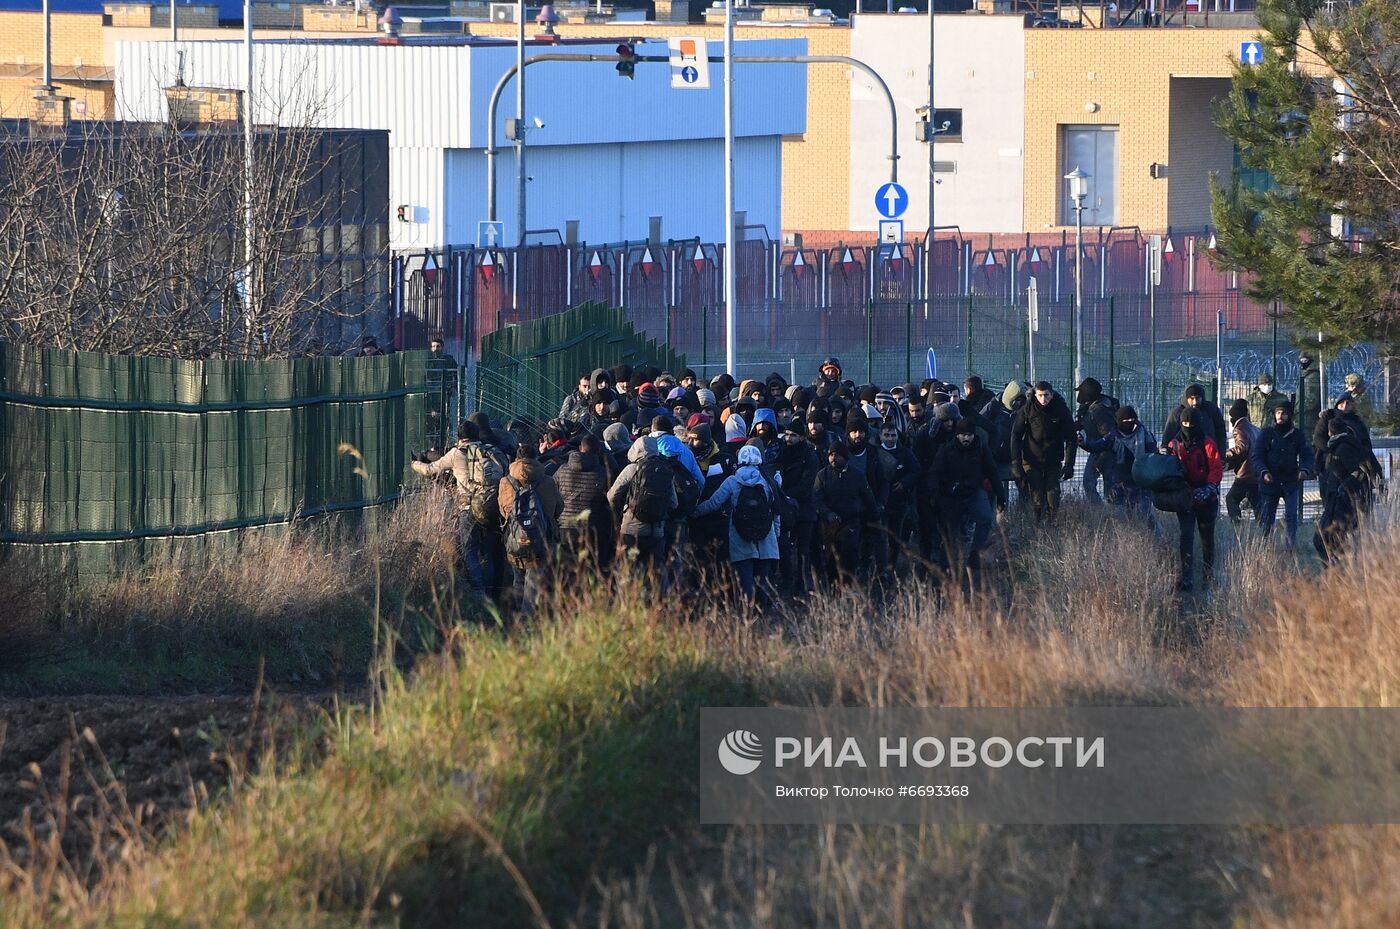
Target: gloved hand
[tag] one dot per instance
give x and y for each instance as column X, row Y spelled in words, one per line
column 1068, row 472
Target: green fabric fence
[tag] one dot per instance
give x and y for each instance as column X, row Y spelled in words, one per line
column 109, row 460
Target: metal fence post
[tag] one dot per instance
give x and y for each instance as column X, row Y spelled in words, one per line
column 1073, row 313
column 1112, row 335
column 967, row 337
column 1273, row 343
column 705, row 336
column 908, row 342
column 869, row 341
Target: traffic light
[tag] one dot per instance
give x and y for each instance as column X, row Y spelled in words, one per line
column 627, row 67
column 405, row 214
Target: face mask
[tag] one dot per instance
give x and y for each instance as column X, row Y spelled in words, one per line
column 1266, row 388
column 888, row 446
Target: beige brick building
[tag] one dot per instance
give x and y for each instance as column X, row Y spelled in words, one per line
column 1154, row 90
column 79, row 62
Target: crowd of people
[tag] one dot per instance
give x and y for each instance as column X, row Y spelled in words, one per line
column 800, row 487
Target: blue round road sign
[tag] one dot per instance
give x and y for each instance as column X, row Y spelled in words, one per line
column 891, row 200
column 689, row 75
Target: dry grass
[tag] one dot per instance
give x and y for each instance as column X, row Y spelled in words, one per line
column 546, row 777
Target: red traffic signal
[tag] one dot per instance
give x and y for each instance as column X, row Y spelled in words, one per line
column 628, row 65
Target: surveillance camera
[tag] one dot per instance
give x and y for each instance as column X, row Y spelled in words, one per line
column 539, row 123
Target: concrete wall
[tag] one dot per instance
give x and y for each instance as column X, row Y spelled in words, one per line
column 978, row 68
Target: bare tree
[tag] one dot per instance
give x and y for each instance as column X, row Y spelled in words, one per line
column 128, row 238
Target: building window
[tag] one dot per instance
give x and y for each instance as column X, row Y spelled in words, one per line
column 1094, row 150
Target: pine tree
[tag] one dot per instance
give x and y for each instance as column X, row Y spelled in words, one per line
column 1321, row 115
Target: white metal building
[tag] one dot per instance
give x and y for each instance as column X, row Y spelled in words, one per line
column 979, row 70
column 615, row 159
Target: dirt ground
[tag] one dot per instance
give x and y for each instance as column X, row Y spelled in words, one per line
column 148, row 761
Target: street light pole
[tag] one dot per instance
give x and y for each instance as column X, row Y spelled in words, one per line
column 250, row 284
column 1078, row 190
column 731, row 319
column 520, row 126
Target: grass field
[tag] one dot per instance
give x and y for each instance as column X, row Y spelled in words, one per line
column 545, row 776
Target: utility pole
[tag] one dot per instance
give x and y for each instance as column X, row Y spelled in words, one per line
column 731, row 319
column 520, row 126
column 250, row 301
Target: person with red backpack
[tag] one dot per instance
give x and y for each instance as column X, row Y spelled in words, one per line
column 751, row 498
column 1195, row 447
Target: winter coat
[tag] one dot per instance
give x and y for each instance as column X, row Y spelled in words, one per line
column 1043, row 436
column 1096, row 419
column 799, row 465
column 1345, row 471
column 740, row 548
column 672, row 447
column 975, row 402
column 959, row 472
column 642, row 449
column 717, row 467
column 1262, row 406
column 1200, row 459
column 1117, row 452
column 1356, row 427
column 1281, row 454
column 905, row 479
column 575, row 406
column 583, row 486
column 1215, row 423
column 1244, row 435
column 529, row 474
column 845, row 495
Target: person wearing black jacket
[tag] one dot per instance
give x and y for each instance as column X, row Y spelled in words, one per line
column 962, row 472
column 1345, row 488
column 586, row 529
column 844, row 505
column 798, row 462
column 975, row 397
column 1281, row 461
column 1095, row 420
column 904, row 482
column 1344, row 409
column 1043, row 447
column 1194, row 398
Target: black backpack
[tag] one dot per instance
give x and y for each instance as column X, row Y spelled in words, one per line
column 753, row 513
column 527, row 530
column 649, row 496
column 688, row 489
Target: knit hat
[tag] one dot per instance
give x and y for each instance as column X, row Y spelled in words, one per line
column 1194, row 390
column 1238, row 411
column 597, row 396
column 703, row 433
column 688, row 373
column 1266, row 378
column 946, row 412
column 748, row 455
column 697, row 419
column 884, row 396
column 831, row 369
column 966, row 426
column 705, row 397
column 722, row 384
column 780, row 404
column 622, row 372
column 868, row 393
column 648, row 397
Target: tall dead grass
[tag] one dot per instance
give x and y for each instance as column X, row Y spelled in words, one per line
column 546, row 776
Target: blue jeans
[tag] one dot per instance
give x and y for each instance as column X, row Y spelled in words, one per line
column 476, row 553
column 749, row 571
column 1292, row 497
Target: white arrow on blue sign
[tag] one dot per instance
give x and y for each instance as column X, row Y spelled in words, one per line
column 490, row 233
column 1251, row 53
column 891, row 200
column 689, row 75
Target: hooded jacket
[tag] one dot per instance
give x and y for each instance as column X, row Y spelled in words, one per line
column 740, row 548
column 959, row 472
column 799, row 464
column 530, row 474
column 1096, row 419
column 643, row 448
